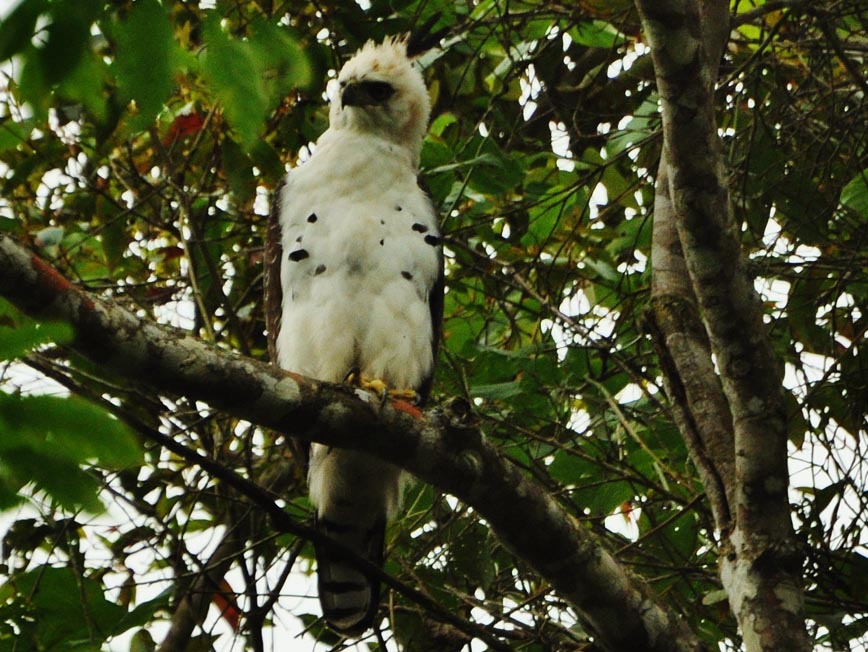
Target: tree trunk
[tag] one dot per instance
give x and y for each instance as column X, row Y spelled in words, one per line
column 703, row 268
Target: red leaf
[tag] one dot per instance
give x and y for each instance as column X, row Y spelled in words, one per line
column 184, row 125
column 224, row 600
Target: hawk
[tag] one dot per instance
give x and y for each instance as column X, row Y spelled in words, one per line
column 355, row 287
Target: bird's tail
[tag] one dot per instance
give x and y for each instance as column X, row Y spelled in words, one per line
column 349, row 598
column 354, row 495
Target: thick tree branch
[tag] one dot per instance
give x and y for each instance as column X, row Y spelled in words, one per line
column 193, row 607
column 445, row 448
column 699, row 406
column 272, row 483
column 761, row 567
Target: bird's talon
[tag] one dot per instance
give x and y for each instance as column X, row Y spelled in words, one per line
column 408, row 395
column 379, row 388
column 375, row 386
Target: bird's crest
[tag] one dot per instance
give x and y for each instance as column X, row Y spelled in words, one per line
column 410, row 44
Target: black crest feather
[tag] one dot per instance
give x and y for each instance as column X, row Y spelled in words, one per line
column 423, row 39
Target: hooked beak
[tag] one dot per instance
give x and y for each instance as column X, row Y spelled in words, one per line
column 366, row 93
column 353, row 95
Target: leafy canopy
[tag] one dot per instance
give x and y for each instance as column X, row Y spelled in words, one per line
column 140, row 142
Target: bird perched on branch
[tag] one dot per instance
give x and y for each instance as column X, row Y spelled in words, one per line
column 355, row 289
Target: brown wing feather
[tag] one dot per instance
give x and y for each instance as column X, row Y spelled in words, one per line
column 273, row 290
column 274, row 303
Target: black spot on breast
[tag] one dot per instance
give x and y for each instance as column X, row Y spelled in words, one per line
column 432, row 240
column 407, row 275
column 382, row 221
column 398, row 208
column 382, row 242
column 298, row 239
column 420, row 228
column 319, row 270
column 312, row 218
column 298, row 254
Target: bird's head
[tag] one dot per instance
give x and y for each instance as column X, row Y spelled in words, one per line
column 380, row 91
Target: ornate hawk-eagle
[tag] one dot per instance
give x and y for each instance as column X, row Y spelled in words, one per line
column 355, row 287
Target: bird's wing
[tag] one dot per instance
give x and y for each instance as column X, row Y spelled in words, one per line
column 435, row 305
column 272, row 260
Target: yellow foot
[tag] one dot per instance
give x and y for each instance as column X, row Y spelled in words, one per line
column 372, row 385
column 378, row 387
column 408, row 395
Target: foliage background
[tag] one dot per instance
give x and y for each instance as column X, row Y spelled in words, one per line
column 139, row 145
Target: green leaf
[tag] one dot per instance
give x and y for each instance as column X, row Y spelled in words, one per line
column 231, row 69
column 603, row 269
column 60, row 478
column 18, row 342
column 281, row 59
column 143, row 613
column 83, row 623
column 16, row 31
column 266, row 158
column 113, row 235
column 13, row 134
column 797, row 425
column 570, row 469
column 596, row 34
column 497, row 391
column 9, row 488
column 145, row 61
column 142, row 641
column 69, row 428
column 86, row 84
column 543, row 221
column 441, row 123
column 855, row 194
column 67, row 38
column 239, row 171
column 714, row 597
column 602, row 500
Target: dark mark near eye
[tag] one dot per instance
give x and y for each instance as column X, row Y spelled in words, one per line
column 298, row 254
column 319, row 270
column 432, row 240
column 420, row 228
column 312, row 218
column 407, row 275
column 298, row 239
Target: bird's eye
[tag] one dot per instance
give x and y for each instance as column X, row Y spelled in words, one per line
column 378, row 91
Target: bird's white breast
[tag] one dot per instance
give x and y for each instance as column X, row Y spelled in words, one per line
column 361, row 252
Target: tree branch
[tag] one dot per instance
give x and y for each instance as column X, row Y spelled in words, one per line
column 446, row 448
column 760, row 567
column 193, row 605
